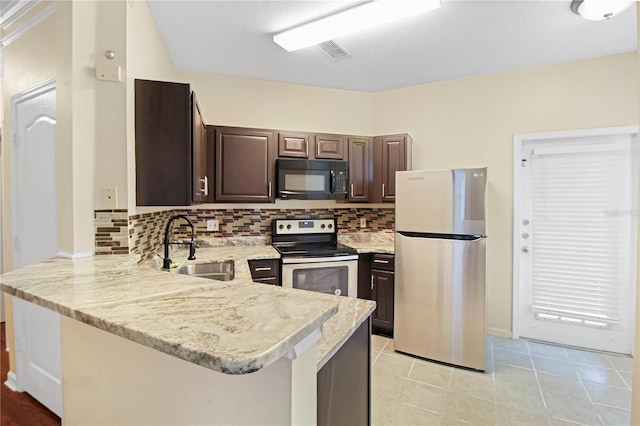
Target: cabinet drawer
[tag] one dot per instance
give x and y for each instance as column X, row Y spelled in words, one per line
column 382, row 261
column 265, row 268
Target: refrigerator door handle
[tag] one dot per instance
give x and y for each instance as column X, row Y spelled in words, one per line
column 460, row 237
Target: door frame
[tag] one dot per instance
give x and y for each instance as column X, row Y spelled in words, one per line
column 518, row 141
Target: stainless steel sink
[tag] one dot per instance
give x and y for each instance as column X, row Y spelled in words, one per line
column 221, row 271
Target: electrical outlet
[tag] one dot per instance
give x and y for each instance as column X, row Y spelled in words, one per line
column 212, row 225
column 109, row 198
column 363, row 222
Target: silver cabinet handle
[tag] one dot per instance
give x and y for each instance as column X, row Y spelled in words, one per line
column 383, row 190
column 307, row 148
column 269, row 189
column 371, row 282
column 262, row 269
column 380, row 261
column 351, row 190
column 205, row 185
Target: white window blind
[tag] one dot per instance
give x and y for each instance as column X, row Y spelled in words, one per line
column 581, row 222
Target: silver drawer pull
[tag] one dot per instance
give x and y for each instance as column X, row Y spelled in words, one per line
column 262, row 269
column 380, row 261
column 265, row 279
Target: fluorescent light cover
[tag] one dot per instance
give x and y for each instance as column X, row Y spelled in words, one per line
column 597, row 10
column 352, row 20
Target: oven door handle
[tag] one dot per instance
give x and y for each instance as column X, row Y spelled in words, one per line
column 294, row 260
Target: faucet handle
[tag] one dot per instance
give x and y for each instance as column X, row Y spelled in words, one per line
column 192, row 251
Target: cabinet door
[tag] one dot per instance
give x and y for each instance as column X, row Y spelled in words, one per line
column 359, row 169
column 292, row 144
column 163, row 143
column 330, row 147
column 382, row 292
column 245, row 164
column 390, row 156
column 201, row 178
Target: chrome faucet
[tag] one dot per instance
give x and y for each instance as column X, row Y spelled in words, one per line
column 166, row 264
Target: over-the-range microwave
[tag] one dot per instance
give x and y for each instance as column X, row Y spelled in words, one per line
column 311, row 179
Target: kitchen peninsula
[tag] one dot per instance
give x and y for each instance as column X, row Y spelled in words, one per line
column 142, row 346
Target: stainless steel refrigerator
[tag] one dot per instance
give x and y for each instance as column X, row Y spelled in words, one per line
column 440, row 278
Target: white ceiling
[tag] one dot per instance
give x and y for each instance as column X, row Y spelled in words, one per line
column 463, row 38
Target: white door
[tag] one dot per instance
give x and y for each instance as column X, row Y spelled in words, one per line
column 575, row 240
column 35, row 238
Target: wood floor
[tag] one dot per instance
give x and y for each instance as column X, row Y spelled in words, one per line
column 19, row 408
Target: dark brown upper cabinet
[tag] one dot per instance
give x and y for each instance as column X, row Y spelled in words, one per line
column 330, row 147
column 294, row 144
column 202, row 157
column 245, row 165
column 169, row 135
column 359, row 169
column 391, row 153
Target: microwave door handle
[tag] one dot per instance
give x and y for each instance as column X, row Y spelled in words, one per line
column 333, row 182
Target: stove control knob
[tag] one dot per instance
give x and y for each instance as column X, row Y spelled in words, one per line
column 330, row 226
column 322, row 226
column 281, row 226
column 288, row 226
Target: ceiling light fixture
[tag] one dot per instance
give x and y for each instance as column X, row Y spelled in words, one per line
column 352, row 20
column 597, row 10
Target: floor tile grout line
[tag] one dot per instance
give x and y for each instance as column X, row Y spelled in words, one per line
column 544, row 400
column 593, row 405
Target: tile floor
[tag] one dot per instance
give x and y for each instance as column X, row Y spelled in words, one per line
column 526, row 383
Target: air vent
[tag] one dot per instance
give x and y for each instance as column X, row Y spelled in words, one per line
column 334, row 50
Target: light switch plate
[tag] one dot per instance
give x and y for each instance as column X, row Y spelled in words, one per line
column 212, row 225
column 109, row 198
column 363, row 222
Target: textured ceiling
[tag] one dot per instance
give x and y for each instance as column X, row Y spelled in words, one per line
column 463, row 38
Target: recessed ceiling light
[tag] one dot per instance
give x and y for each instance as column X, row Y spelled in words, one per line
column 352, row 20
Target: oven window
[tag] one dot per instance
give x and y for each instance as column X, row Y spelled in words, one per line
column 306, row 181
column 324, row 280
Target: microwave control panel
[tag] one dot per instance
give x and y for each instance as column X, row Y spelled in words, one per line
column 341, row 182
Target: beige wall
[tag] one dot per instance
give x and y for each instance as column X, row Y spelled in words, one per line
column 237, row 101
column 472, row 121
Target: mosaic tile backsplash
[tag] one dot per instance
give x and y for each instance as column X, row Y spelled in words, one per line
column 146, row 231
column 111, row 231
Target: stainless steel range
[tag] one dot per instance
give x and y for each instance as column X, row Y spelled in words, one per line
column 312, row 258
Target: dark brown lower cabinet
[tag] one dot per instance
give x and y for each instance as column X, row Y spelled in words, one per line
column 382, row 293
column 344, row 383
column 265, row 271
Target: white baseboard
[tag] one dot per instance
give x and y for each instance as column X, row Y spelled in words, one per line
column 71, row 255
column 500, row 332
column 12, row 382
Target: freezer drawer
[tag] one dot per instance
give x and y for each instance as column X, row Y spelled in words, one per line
column 440, row 300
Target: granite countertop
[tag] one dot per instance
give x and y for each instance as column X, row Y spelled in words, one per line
column 369, row 242
column 234, row 327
